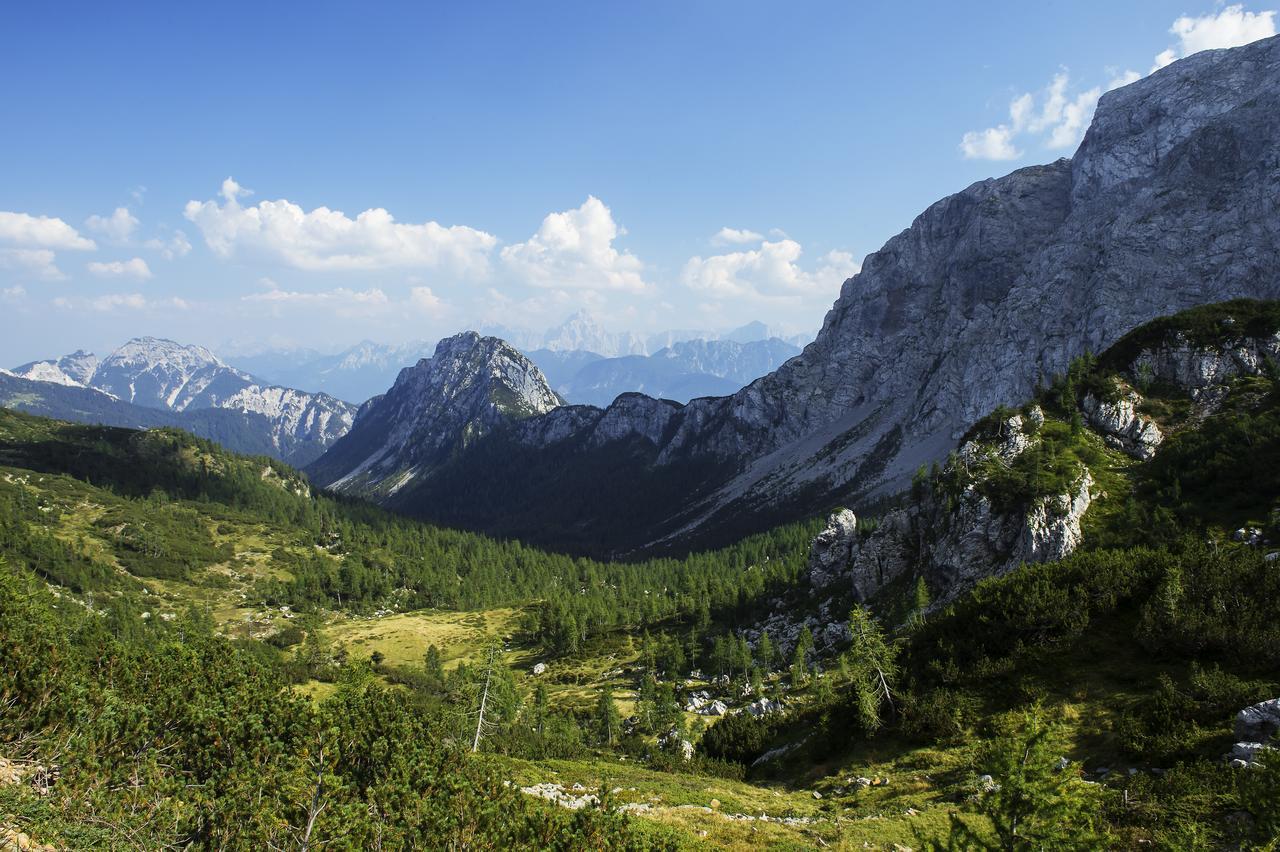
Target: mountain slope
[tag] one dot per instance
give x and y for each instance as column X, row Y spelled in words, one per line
column 74, row 369
column 470, row 386
column 239, row 431
column 1171, row 201
column 159, row 374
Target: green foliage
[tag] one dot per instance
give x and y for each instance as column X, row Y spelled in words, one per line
column 872, row 667
column 608, row 722
column 741, row 738
column 231, row 759
column 1032, row 803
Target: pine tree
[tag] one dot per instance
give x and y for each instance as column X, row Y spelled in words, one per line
column 434, row 667
column 873, row 667
column 608, row 722
column 1032, row 804
column 766, row 652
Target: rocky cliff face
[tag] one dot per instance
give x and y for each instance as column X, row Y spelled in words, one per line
column 953, row 540
column 469, row 387
column 1171, row 201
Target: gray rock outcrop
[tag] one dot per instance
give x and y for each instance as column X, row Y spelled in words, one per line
column 1122, row 426
column 954, row 544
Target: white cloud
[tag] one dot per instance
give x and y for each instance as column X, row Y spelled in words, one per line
column 771, row 272
column 13, row 294
column 1230, row 27
column 423, row 300
column 994, row 143
column 120, row 301
column 176, row 246
column 574, row 250
column 1057, row 116
column 735, row 236
column 340, row 301
column 43, row 232
column 38, row 263
column 117, row 227
column 133, row 268
column 324, row 239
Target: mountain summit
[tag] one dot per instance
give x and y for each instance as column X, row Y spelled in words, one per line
column 471, row 385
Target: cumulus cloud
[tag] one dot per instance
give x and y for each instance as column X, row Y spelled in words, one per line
column 340, row 295
column 994, row 143
column 13, row 294
column 176, row 246
column 37, row 263
column 120, row 302
column 424, row 301
column 1230, row 27
column 133, row 268
column 117, row 227
column 41, row 232
column 1057, row 116
column 770, row 272
column 324, row 239
column 735, row 236
column 574, row 250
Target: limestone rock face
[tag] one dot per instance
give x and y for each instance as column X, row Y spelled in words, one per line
column 1197, row 369
column 955, row 545
column 1259, row 722
column 831, row 551
column 1122, row 426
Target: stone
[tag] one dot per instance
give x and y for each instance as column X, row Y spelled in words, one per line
column 1122, row 426
column 832, row 549
column 1258, row 722
column 763, row 707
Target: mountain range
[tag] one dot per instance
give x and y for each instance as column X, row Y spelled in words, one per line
column 151, row 382
column 1170, row 202
column 677, row 365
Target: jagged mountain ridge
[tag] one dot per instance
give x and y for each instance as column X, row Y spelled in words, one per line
column 160, row 374
column 1170, row 202
column 470, row 386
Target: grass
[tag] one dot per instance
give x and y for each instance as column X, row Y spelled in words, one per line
column 726, row 814
column 403, row 638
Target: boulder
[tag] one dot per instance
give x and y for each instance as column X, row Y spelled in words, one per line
column 832, row 549
column 1259, row 722
column 1122, row 426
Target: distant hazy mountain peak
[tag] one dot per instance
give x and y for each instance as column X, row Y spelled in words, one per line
column 74, row 370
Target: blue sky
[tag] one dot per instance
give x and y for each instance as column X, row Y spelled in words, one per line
column 199, row 171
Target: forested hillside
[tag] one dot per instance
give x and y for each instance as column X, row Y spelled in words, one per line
column 366, row 679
